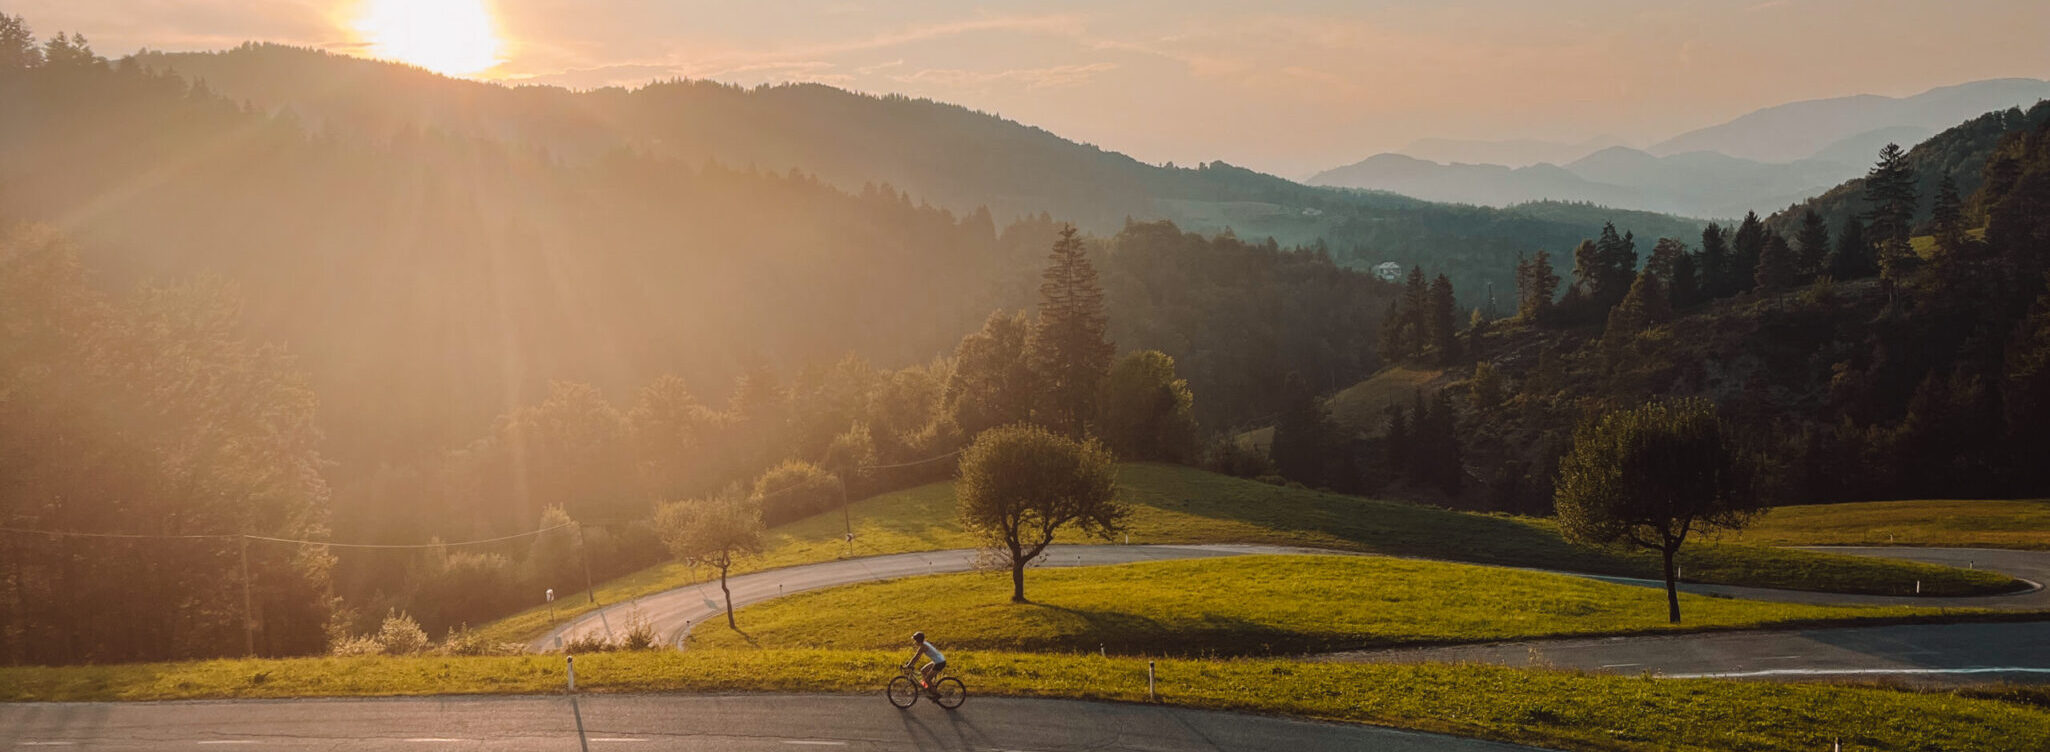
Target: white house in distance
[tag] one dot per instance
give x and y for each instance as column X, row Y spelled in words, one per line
column 1388, row 271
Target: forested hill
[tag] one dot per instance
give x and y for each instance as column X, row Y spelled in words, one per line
column 951, row 156
column 1958, row 153
column 939, row 152
column 430, row 283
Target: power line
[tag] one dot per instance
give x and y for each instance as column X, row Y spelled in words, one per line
column 913, row 462
column 479, row 541
column 74, row 534
column 299, row 541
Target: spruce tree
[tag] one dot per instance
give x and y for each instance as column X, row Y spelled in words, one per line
column 1536, row 283
column 1948, row 216
column 1444, row 331
column 1070, row 348
column 1616, row 261
column 1715, row 263
column 1775, row 269
column 1890, row 191
column 1302, row 434
column 1853, row 257
column 1813, row 239
column 1393, row 345
column 1745, row 248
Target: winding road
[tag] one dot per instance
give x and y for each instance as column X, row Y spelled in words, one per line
column 785, row 723
column 674, row 612
column 1918, row 654
column 1939, row 653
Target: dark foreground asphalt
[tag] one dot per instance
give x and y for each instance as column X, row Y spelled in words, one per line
column 1926, row 654
column 665, row 722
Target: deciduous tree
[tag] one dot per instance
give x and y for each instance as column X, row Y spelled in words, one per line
column 1651, row 476
column 1020, row 485
column 718, row 532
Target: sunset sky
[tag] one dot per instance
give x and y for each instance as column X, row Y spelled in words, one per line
column 1288, row 86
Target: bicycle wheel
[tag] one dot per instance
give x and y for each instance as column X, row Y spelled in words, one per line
column 902, row 692
column 950, row 693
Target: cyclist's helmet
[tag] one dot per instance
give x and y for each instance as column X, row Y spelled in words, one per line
column 918, row 637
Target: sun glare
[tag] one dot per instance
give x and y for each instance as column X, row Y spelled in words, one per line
column 455, row 37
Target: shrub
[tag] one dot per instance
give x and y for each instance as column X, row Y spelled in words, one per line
column 1147, row 410
column 588, row 643
column 639, row 634
column 400, row 635
column 356, row 647
column 795, row 490
column 462, row 641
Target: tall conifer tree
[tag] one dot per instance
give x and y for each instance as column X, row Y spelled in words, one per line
column 1070, row 346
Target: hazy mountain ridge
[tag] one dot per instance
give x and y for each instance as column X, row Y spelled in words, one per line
column 1515, row 152
column 1696, row 184
column 1798, row 130
column 1717, row 172
column 951, row 156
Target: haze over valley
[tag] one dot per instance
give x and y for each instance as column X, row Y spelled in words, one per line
column 385, row 374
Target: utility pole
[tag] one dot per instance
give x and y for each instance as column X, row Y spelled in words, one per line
column 248, row 612
column 584, row 552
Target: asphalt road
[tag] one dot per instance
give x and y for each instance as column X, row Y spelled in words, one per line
column 1926, row 654
column 671, row 722
column 674, row 612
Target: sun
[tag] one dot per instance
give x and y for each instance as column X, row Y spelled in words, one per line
column 454, row 37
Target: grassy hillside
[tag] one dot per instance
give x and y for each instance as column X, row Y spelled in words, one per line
column 1363, row 407
column 1246, row 605
column 1975, row 524
column 1554, row 709
column 1174, row 504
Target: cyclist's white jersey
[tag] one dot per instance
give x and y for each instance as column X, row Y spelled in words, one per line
column 931, row 652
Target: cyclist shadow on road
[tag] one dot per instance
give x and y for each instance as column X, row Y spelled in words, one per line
column 945, row 730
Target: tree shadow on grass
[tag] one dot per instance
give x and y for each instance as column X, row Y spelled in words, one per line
column 1386, row 527
column 1195, row 635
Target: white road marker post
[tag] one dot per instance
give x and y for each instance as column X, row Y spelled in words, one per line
column 572, row 673
column 1151, row 694
column 1918, row 587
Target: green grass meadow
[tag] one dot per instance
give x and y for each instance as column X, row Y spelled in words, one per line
column 1174, row 504
column 2023, row 524
column 1247, row 606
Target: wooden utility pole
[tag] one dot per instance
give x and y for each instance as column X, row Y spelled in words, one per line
column 248, row 612
column 584, row 552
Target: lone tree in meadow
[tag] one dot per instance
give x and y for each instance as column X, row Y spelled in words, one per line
column 1021, row 484
column 718, row 532
column 1649, row 476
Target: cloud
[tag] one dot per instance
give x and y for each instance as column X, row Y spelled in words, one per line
column 1052, row 77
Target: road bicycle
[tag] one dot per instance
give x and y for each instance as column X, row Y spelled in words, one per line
column 903, row 691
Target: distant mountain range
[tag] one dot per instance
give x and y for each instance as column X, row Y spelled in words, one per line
column 1800, row 130
column 1762, row 161
column 1521, row 152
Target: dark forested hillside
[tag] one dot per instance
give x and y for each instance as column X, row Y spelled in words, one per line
column 1957, row 153
column 1863, row 370
column 953, row 157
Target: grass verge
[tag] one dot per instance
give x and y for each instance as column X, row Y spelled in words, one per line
column 1249, row 606
column 2023, row 524
column 1563, row 710
column 1175, row 504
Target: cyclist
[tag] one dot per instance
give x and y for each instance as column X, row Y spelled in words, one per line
column 938, row 662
